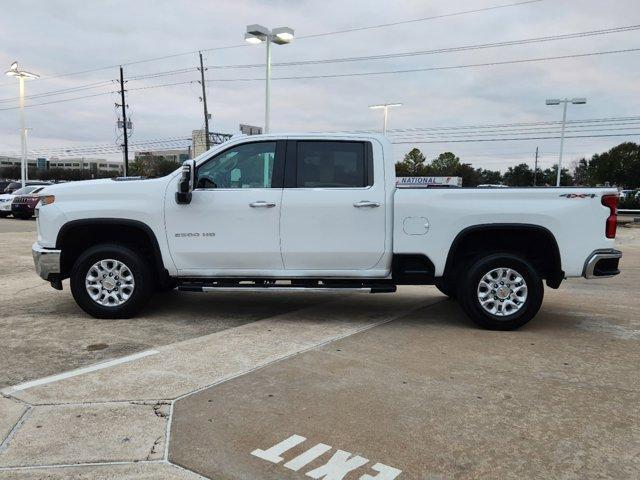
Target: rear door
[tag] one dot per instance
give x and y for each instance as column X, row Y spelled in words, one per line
column 333, row 206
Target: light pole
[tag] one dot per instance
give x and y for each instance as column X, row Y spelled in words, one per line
column 280, row 36
column 386, row 107
column 565, row 102
column 21, row 75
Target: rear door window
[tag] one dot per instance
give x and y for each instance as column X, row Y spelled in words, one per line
column 322, row 164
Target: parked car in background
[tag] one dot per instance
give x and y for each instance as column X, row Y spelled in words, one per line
column 6, row 199
column 24, row 206
column 13, row 186
column 4, row 184
column 627, row 194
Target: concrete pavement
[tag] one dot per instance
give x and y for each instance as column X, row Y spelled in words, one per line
column 369, row 386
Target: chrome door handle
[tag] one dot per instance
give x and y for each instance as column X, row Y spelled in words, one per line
column 262, row 204
column 366, row 203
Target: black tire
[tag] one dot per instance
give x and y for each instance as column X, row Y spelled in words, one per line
column 446, row 288
column 4, row 214
column 469, row 285
column 144, row 282
column 22, row 216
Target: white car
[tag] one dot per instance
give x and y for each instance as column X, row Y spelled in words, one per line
column 7, row 198
column 304, row 212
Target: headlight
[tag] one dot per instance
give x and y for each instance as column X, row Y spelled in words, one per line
column 47, row 199
column 2, row 200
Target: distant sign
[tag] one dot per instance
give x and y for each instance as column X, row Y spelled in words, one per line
column 425, row 182
column 250, row 130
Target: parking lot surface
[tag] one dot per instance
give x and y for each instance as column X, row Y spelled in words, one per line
column 292, row 387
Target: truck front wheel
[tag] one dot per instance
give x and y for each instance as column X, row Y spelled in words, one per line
column 111, row 281
column 448, row 289
column 500, row 291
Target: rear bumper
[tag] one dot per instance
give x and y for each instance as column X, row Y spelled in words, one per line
column 47, row 261
column 602, row 264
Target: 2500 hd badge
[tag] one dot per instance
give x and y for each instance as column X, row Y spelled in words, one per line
column 195, row 234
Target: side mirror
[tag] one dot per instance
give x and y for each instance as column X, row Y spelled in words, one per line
column 187, row 180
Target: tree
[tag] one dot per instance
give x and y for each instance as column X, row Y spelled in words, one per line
column 549, row 177
column 151, row 166
column 581, row 172
column 619, row 166
column 490, row 177
column 412, row 165
column 519, row 176
column 446, row 164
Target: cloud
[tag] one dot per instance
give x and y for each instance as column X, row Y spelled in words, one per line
column 65, row 36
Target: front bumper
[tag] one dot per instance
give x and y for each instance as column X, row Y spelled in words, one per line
column 602, row 264
column 47, row 261
column 5, row 206
column 22, row 208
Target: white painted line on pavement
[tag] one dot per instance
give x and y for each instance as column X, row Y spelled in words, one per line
column 76, row 372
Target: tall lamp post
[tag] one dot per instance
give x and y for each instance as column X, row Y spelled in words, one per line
column 565, row 102
column 386, row 107
column 280, row 36
column 21, row 75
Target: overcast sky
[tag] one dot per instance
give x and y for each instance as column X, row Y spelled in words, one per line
column 56, row 37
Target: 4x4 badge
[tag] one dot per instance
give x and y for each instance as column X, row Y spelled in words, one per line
column 578, row 195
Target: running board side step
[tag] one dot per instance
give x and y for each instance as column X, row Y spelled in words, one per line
column 273, row 287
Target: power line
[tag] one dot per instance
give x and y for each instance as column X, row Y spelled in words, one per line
column 430, row 69
column 336, row 32
column 519, row 124
column 536, row 132
column 512, row 139
column 60, row 101
column 87, row 86
column 346, row 59
column 438, row 50
column 404, row 22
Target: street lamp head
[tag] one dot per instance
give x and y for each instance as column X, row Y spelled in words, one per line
column 252, row 39
column 14, row 72
column 384, row 105
column 282, row 35
column 257, row 30
column 553, row 101
column 578, row 101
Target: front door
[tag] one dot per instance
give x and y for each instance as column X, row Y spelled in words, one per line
column 333, row 207
column 232, row 225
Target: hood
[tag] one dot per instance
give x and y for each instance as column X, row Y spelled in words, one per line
column 104, row 188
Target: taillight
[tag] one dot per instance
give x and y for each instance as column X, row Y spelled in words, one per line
column 611, row 201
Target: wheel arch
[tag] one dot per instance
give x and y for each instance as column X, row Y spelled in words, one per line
column 535, row 242
column 77, row 235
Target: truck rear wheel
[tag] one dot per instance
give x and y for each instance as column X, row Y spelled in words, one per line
column 500, row 291
column 111, row 281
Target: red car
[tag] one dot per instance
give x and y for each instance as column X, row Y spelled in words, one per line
column 24, row 206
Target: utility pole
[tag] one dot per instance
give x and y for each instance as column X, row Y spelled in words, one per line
column 124, row 125
column 204, row 103
column 535, row 169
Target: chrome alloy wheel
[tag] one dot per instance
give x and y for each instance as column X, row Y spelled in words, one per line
column 502, row 291
column 109, row 283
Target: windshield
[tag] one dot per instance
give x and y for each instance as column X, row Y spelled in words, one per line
column 25, row 190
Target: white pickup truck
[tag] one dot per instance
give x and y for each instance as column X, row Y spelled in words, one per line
column 307, row 212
